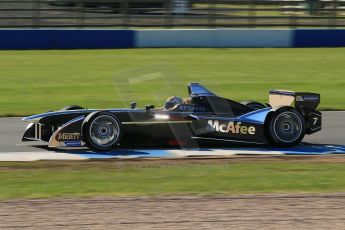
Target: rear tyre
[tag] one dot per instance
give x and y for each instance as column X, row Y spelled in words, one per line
column 285, row 127
column 254, row 105
column 72, row 107
column 101, row 131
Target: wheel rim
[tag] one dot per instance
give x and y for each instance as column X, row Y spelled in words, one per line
column 287, row 127
column 104, row 131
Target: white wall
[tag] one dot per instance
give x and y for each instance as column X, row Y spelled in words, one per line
column 213, row 38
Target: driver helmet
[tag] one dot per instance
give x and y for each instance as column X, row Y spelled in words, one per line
column 172, row 101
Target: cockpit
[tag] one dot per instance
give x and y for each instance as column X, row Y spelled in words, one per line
column 195, row 102
column 174, row 101
column 194, row 89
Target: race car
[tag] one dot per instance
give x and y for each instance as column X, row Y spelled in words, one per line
column 202, row 117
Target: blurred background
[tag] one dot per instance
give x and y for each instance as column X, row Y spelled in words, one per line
column 51, row 32
column 172, row 13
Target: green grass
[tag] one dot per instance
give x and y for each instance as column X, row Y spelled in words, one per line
column 37, row 81
column 44, row 179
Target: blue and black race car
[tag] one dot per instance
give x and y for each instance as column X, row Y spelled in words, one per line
column 201, row 118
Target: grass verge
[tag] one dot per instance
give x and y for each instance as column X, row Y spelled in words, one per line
column 63, row 179
column 37, row 81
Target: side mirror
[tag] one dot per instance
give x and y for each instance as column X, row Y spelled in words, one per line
column 133, row 105
column 149, row 107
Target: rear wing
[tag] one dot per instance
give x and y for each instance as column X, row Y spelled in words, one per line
column 300, row 100
column 305, row 102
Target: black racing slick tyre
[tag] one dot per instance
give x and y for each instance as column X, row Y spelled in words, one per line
column 71, row 107
column 101, row 131
column 285, row 127
column 254, row 104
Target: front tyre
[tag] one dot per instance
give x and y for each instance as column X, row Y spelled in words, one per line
column 101, row 131
column 285, row 127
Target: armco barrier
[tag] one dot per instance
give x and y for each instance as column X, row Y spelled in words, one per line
column 65, row 39
column 106, row 39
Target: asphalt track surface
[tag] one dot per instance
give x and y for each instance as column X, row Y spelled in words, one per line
column 11, row 130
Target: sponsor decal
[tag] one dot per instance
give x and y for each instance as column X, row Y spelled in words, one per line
column 72, row 143
column 68, row 136
column 299, row 98
column 230, row 127
column 307, row 98
column 310, row 98
column 196, row 108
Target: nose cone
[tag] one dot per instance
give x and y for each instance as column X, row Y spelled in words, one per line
column 30, row 118
column 35, row 118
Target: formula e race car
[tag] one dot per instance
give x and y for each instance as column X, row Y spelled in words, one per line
column 202, row 117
